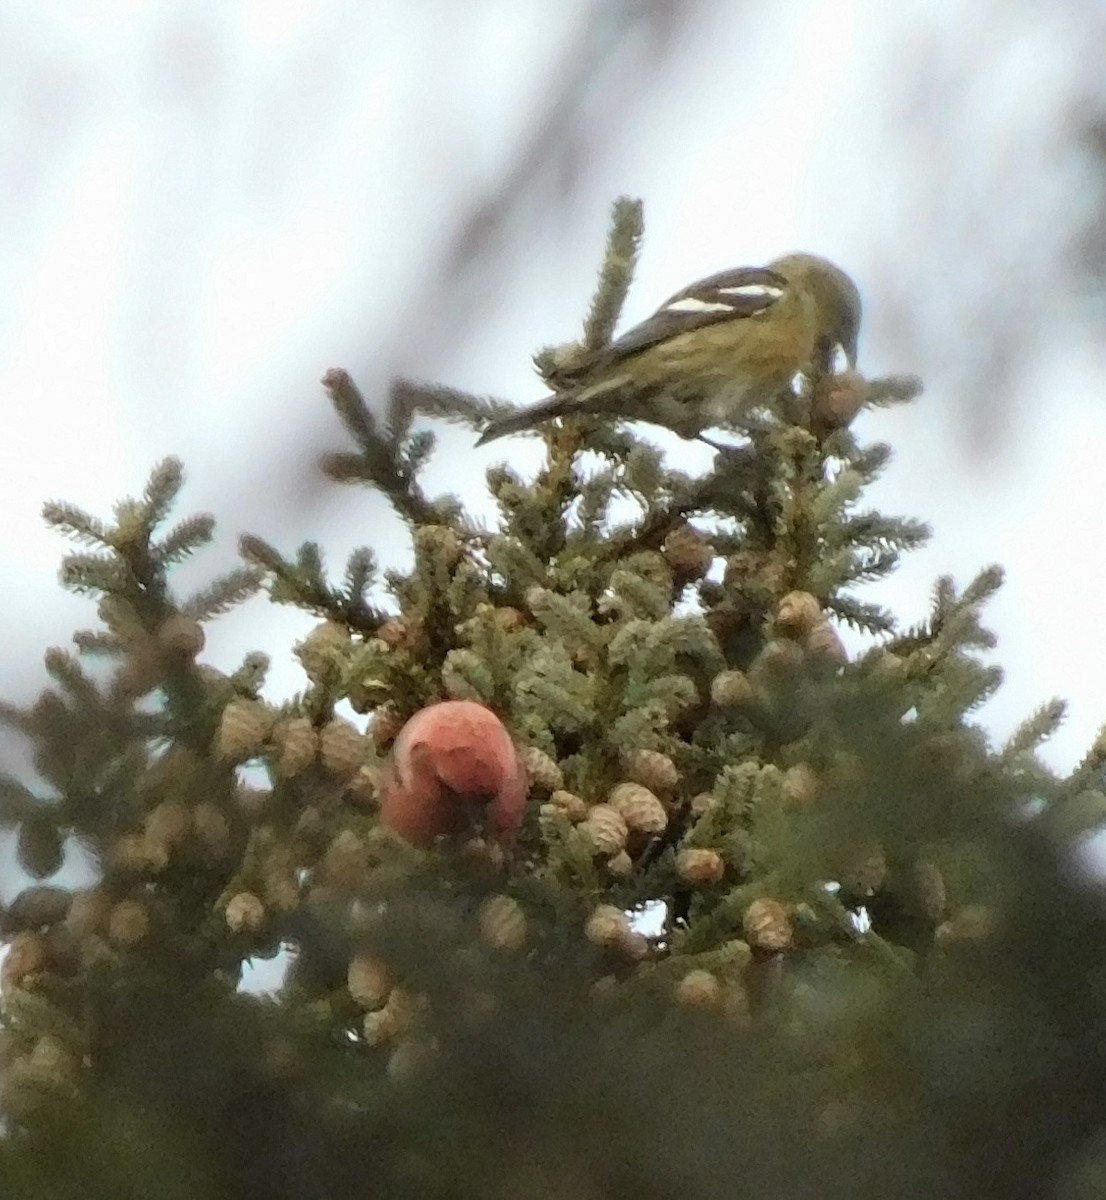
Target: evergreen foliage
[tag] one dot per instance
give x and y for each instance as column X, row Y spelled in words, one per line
column 875, row 967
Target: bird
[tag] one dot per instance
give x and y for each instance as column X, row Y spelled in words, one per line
column 713, row 352
column 454, row 771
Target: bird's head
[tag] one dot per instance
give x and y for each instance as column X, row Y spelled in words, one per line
column 835, row 296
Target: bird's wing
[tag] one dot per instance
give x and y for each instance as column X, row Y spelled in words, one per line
column 740, row 292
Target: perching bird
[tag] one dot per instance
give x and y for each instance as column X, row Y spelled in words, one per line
column 454, row 770
column 713, row 352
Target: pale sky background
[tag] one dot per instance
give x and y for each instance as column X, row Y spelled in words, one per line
column 204, row 206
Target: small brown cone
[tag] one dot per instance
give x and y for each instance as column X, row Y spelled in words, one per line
column 610, row 928
column 836, row 400
column 51, row 1057
column 168, row 824
column 26, row 958
column 781, row 657
column 243, row 728
column 652, row 769
column 620, row 865
column 699, row 989
column 702, row 803
column 510, row 620
column 346, row 862
column 634, row 946
column 369, row 981
column 797, row 614
column 639, row 808
column 700, row 867
column 607, row 926
column 89, row 912
column 279, row 890
column 606, row 828
column 245, row 913
column 322, row 649
column 541, row 770
column 503, row 923
column 297, row 745
column 128, row 923
column 688, row 553
column 800, row 785
column 731, row 689
column 379, row 1026
column 767, row 925
column 211, row 826
column 484, row 854
column 574, row 807
column 824, row 642
column 136, row 854
column 342, row 748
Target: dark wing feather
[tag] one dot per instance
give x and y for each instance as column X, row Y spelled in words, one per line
column 740, row 292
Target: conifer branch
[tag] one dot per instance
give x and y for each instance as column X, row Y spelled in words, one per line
column 408, row 399
column 76, row 523
column 616, row 274
column 161, row 490
column 889, row 390
column 380, row 460
column 184, row 539
column 223, row 594
column 1038, row 727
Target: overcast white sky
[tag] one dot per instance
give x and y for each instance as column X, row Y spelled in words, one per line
column 202, row 207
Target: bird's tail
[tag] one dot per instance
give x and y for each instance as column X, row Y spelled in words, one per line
column 527, row 418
